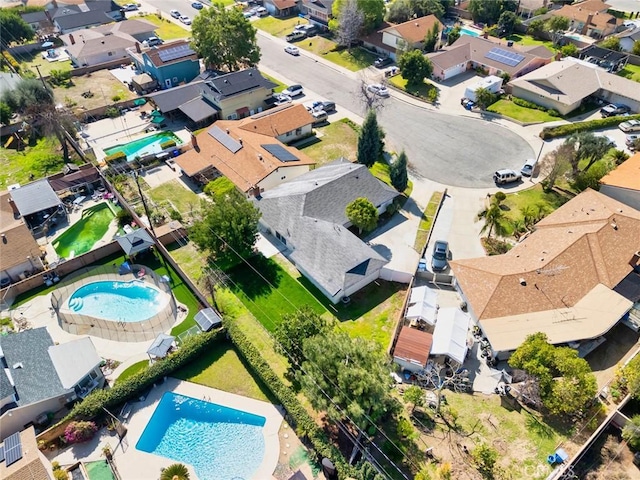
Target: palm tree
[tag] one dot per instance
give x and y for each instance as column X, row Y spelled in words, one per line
column 492, row 217
column 177, row 471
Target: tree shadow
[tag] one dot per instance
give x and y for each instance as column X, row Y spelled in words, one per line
column 256, row 277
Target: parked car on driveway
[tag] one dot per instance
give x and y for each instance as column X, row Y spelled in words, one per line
column 630, row 141
column 153, row 41
column 383, row 62
column 439, row 261
column 175, row 13
column 291, row 50
column 326, row 106
column 293, row 90
column 295, row 35
column 282, row 99
column 614, row 109
column 630, row 126
column 378, row 89
column 506, row 176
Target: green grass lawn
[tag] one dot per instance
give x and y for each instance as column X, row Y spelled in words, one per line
column 34, row 59
column 167, row 30
column 281, row 86
column 354, row 60
column 528, row 40
column 522, row 114
column 632, row 72
column 274, row 295
column 43, row 159
column 132, row 370
column 276, row 26
column 426, row 91
column 534, row 198
column 427, row 220
column 382, row 171
column 338, row 139
column 222, row 368
column 182, row 199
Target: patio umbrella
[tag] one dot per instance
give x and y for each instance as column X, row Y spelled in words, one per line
column 157, row 119
column 47, row 44
column 156, row 113
column 139, row 101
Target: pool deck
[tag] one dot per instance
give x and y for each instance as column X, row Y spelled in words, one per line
column 135, row 464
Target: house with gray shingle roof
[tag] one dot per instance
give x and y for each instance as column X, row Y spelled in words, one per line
column 308, row 215
column 39, row 377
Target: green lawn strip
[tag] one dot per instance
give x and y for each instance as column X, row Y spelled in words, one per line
column 276, row 26
column 632, row 72
column 421, row 91
column 338, row 139
column 270, row 294
column 525, row 115
column 382, row 171
column 281, row 86
column 426, row 221
column 182, row 199
column 40, row 160
column 167, row 30
column 221, row 368
column 354, row 60
column 535, row 198
column 132, row 370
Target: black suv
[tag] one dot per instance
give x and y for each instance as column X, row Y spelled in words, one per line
column 614, row 109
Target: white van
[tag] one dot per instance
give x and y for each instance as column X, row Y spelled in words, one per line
column 528, row 167
column 262, row 12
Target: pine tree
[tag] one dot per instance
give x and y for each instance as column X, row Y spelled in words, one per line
column 399, row 178
column 369, row 140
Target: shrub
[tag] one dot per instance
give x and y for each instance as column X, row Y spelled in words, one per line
column 59, row 77
column 11, row 61
column 112, row 112
column 116, row 157
column 526, row 104
column 565, row 130
column 116, row 98
column 60, row 474
column 124, row 217
column 168, row 144
column 404, row 428
column 553, row 113
column 134, row 386
column 432, row 95
column 78, row 432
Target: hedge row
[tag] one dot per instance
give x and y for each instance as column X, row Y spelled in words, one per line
column 570, row 128
column 115, row 157
column 134, row 386
column 527, row 104
column 168, row 144
column 303, row 422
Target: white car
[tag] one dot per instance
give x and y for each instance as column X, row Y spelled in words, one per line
column 175, row 13
column 130, row 7
column 378, row 89
column 630, row 126
column 186, row 20
column 290, row 49
column 282, row 99
column 293, row 91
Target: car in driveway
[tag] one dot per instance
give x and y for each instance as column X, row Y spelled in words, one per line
column 324, row 106
column 293, row 90
column 383, row 62
column 440, row 256
column 291, row 50
column 282, row 99
column 630, row 126
column 153, row 41
column 506, row 176
column 614, row 109
column 175, row 13
column 186, row 20
column 197, row 5
column 378, row 89
column 630, row 141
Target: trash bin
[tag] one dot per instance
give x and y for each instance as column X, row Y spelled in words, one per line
column 329, row 469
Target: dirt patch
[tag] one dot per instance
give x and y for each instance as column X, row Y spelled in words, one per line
column 99, row 88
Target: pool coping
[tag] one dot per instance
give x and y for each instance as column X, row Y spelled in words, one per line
column 133, row 463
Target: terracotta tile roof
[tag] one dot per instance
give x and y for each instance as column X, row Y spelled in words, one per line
column 413, row 345
column 582, row 11
column 626, row 175
column 588, row 241
column 415, row 29
column 247, row 166
column 284, row 4
column 31, row 465
column 9, row 218
column 278, row 121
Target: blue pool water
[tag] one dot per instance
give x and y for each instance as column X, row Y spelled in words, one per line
column 470, row 32
column 220, row 443
column 144, row 146
column 119, row 301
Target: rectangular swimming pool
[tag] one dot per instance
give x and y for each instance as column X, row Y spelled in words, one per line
column 144, row 146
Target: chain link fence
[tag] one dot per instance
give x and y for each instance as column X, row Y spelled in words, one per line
column 77, row 323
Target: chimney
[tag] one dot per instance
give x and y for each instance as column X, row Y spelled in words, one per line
column 260, row 156
column 138, row 47
column 4, row 238
column 71, row 39
column 54, row 3
column 227, row 131
column 558, row 56
column 240, row 141
column 586, row 24
column 635, row 259
column 16, row 213
column 194, row 141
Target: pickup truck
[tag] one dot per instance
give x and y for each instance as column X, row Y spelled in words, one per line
column 295, row 35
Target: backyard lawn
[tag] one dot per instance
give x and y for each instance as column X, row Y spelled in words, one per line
column 132, row 370
column 528, row 40
column 270, row 294
column 33, row 59
column 632, row 72
column 276, row 26
column 222, row 368
column 167, row 30
column 182, row 199
column 338, row 139
column 354, row 60
column 522, row 114
column 44, row 158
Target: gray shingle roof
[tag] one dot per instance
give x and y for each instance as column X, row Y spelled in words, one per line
column 34, row 17
column 35, row 378
column 172, row 98
column 135, row 242
column 83, row 19
column 34, row 197
column 198, row 109
column 237, row 82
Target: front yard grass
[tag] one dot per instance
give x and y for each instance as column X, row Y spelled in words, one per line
column 534, row 198
column 338, row 139
column 382, row 171
column 427, row 220
column 271, row 293
column 276, row 26
column 426, row 90
column 525, row 115
column 182, row 199
column 167, row 30
column 221, row 367
column 354, row 60
column 632, row 72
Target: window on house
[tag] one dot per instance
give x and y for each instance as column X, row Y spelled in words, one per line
column 233, row 116
column 298, row 131
column 110, row 54
column 289, row 134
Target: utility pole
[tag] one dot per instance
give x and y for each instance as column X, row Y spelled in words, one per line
column 44, row 84
column 144, row 205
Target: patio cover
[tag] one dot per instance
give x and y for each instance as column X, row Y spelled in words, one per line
column 198, row 109
column 161, row 346
column 207, row 319
column 450, row 334
column 422, row 305
column 135, row 242
column 34, row 197
column 74, row 360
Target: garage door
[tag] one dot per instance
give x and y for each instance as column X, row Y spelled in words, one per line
column 453, row 71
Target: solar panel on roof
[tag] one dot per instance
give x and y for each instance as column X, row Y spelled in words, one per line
column 225, row 139
column 12, row 449
column 174, row 53
column 280, row 153
column 504, row 56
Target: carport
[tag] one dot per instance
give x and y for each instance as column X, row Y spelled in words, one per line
column 422, row 305
column 37, row 203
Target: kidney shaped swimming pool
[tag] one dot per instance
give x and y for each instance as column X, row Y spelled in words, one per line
column 118, row 301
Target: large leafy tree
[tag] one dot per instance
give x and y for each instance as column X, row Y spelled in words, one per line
column 228, row 230
column 13, row 28
column 422, row 8
column 453, row 35
column 556, row 26
column 225, row 39
column 398, row 174
column 488, row 12
column 431, row 39
column 415, row 67
column 403, row 10
column 350, row 22
column 369, row 140
column 363, row 214
column 631, row 432
column 295, row 328
column 400, row 11
column 373, row 11
column 612, row 43
column 590, row 147
column 507, row 22
column 346, row 376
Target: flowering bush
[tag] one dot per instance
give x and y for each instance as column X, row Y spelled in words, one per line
column 78, row 432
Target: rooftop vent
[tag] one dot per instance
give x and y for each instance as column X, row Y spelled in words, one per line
column 523, row 282
column 18, row 365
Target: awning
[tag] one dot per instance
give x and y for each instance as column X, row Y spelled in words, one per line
column 156, row 113
column 450, row 334
column 242, row 111
column 161, row 346
column 157, row 119
column 422, row 305
column 139, row 101
column 34, row 197
column 135, row 242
